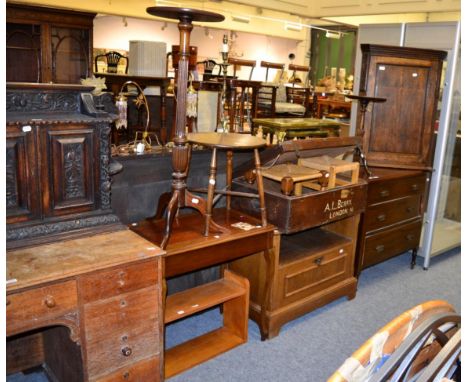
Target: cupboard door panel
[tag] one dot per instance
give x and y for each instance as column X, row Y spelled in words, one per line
column 22, row 195
column 71, row 170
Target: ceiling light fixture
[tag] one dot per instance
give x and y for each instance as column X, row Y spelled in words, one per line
column 331, row 34
column 293, row 27
column 241, row 19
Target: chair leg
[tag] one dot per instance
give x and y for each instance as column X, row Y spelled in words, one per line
column 211, row 189
column 229, row 155
column 261, row 195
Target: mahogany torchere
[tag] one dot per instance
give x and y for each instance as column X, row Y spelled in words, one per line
column 180, row 197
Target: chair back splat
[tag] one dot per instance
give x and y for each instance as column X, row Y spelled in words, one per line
column 112, row 59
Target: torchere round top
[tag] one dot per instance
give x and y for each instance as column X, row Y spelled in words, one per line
column 180, row 13
column 364, row 98
column 226, row 140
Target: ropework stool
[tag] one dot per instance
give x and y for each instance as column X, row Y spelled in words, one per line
column 229, row 142
column 334, row 167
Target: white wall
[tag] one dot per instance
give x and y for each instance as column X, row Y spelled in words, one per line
column 111, row 33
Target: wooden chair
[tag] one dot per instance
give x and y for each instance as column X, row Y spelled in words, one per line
column 112, row 59
column 208, row 67
column 366, row 361
column 241, row 94
column 276, row 99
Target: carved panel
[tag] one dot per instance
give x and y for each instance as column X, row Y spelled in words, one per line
column 11, row 178
column 42, row 101
column 44, row 229
column 104, row 153
column 72, row 169
column 20, row 179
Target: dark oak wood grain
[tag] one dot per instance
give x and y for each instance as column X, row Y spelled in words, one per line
column 399, row 132
column 393, row 218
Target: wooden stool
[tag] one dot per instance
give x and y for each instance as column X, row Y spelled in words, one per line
column 292, row 177
column 229, row 142
column 333, row 166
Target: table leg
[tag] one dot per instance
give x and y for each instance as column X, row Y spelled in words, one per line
column 229, row 155
column 211, row 189
column 269, row 256
column 260, row 189
column 163, row 132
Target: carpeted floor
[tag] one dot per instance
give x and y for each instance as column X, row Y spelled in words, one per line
column 310, row 348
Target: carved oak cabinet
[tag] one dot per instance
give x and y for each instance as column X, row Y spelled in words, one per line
column 57, row 165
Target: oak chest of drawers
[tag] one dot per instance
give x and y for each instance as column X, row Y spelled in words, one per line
column 392, row 221
column 96, row 304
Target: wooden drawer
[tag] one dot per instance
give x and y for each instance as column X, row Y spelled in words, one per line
column 314, row 273
column 391, row 242
column 381, row 191
column 127, row 322
column 147, row 370
column 110, row 283
column 388, row 213
column 38, row 307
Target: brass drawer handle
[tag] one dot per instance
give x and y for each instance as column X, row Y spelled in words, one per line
column 50, row 301
column 127, row 351
column 409, row 237
column 381, row 217
column 318, row 260
column 384, row 193
column 409, row 209
column 415, row 187
column 380, row 248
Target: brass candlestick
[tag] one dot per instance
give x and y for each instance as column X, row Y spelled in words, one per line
column 224, row 122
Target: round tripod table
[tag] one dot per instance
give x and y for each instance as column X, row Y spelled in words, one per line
column 230, row 142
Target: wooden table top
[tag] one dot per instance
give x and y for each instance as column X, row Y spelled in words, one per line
column 51, row 262
column 226, row 140
column 192, row 14
column 295, row 123
column 187, row 230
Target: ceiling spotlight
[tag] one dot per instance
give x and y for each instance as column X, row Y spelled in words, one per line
column 293, row 27
column 241, row 19
column 331, row 34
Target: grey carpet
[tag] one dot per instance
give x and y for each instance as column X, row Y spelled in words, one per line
column 312, row 347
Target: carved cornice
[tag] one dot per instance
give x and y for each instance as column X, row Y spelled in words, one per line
column 29, row 232
column 41, row 101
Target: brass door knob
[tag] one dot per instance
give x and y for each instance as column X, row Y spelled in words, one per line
column 380, row 248
column 384, row 193
column 127, row 351
column 50, row 301
column 381, row 217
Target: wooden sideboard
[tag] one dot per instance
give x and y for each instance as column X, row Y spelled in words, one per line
column 393, row 219
column 90, row 308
